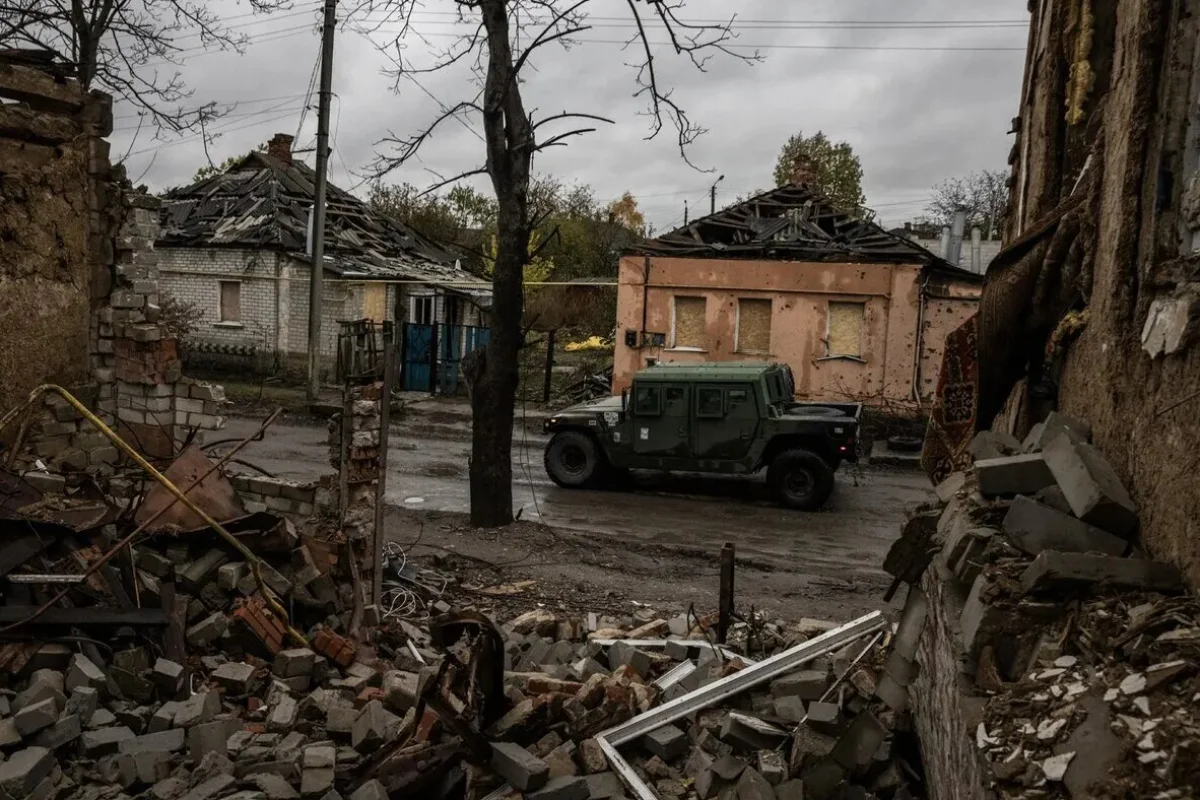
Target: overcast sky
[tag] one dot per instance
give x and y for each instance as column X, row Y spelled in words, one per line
column 923, row 90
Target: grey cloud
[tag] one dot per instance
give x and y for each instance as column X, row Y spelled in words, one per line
column 914, row 118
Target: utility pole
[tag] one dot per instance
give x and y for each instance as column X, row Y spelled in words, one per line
column 685, row 212
column 317, row 271
column 712, row 196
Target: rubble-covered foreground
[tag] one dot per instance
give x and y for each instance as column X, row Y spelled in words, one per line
column 1061, row 660
column 458, row 708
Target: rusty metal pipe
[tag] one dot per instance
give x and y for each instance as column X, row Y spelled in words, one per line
column 179, row 496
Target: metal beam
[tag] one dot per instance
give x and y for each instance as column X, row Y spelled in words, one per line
column 742, row 680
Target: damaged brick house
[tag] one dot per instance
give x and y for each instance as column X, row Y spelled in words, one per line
column 857, row 312
column 235, row 245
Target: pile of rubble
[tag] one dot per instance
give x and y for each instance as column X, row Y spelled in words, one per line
column 462, row 708
column 1082, row 647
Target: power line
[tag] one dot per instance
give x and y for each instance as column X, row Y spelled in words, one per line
column 219, row 129
column 227, row 116
column 250, row 102
column 735, row 46
column 612, row 21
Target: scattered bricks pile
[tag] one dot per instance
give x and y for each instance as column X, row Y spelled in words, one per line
column 388, row 715
column 1078, row 648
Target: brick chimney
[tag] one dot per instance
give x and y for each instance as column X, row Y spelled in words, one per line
column 804, row 172
column 280, row 148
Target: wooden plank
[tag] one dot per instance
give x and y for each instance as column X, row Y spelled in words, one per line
column 140, row 617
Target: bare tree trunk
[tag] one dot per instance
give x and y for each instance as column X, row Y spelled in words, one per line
column 510, row 152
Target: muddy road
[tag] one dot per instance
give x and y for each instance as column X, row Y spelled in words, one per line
column 656, row 542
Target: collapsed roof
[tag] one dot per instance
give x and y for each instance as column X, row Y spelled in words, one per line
column 793, row 222
column 264, row 202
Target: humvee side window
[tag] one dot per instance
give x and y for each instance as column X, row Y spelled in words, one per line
column 710, row 402
column 647, row 401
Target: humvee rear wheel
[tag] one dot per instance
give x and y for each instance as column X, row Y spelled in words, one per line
column 800, row 479
column 574, row 461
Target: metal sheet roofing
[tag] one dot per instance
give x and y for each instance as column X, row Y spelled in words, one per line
column 262, row 202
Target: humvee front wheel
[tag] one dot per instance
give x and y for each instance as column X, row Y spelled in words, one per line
column 800, row 479
column 573, row 460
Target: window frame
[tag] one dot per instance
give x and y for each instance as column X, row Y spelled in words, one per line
column 222, row 321
column 418, row 300
column 700, row 413
column 658, row 400
column 859, row 357
column 686, row 348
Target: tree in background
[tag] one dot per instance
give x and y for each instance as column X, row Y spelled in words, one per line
column 836, row 171
column 984, row 195
column 130, row 49
column 624, row 211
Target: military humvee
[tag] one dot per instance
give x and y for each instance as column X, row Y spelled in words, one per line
column 732, row 417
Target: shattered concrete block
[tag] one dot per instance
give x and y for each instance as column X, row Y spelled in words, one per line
column 667, row 742
column 371, row 790
column 208, row 630
column 806, row 684
column 209, row 737
column 790, row 790
column 1172, row 323
column 197, row 709
column 32, row 718
column 518, row 766
column 283, row 714
column 592, row 757
column 203, row 569
column 823, row 778
column 83, row 702
column 211, row 788
column 565, row 788
column 1055, row 425
column 293, row 663
column 230, row 575
column 1054, row 571
column 21, row 773
column 374, row 727
column 808, row 746
column 948, row 488
column 1010, row 475
column 750, row 733
column 604, row 785
column 64, row 731
column 621, row 654
column 168, row 675
column 1091, row 486
column 274, row 787
column 993, row 444
column 858, row 745
column 1034, row 527
column 164, row 718
column 170, row 741
column 977, row 616
column 104, row 741
column 789, row 709
column 772, row 766
column 753, row 786
column 83, row 672
column 400, row 690
column 234, row 676
column 43, row 684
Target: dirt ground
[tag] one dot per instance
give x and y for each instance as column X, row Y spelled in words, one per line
column 657, row 542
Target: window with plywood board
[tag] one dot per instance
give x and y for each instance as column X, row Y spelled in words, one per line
column 688, row 325
column 845, row 332
column 754, row 325
column 375, row 301
column 230, row 304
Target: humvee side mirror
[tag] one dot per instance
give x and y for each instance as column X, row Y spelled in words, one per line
column 624, row 398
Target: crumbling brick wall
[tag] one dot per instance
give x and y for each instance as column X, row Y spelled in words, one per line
column 53, row 164
column 1139, row 127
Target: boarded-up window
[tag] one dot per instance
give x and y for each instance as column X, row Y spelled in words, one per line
column 230, row 309
column 754, row 326
column 689, row 322
column 375, row 301
column 846, row 329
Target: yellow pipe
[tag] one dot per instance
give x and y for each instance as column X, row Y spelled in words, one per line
column 255, row 561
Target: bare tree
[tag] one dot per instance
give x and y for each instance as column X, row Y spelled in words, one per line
column 502, row 39
column 129, row 48
column 984, row 195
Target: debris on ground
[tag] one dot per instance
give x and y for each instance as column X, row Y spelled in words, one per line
column 1083, row 649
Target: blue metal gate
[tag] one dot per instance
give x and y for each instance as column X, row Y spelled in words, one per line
column 418, row 357
column 450, row 342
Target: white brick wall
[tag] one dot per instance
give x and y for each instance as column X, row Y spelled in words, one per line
column 274, row 298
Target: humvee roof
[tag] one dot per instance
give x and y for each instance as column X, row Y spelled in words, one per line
column 712, row 371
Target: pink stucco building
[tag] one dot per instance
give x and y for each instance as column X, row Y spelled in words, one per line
column 858, row 313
